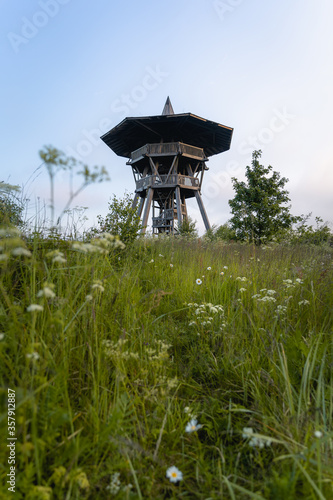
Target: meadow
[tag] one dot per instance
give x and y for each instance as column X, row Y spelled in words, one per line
column 175, row 368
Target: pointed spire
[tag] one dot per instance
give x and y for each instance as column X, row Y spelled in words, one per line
column 168, row 109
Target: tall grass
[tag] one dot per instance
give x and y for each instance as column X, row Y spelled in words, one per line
column 128, row 349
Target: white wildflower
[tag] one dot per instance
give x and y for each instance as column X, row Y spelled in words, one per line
column 267, row 298
column 257, row 442
column 46, row 292
column 247, row 432
column 35, row 308
column 21, row 251
column 34, row 356
column 198, row 281
column 97, row 285
column 9, row 231
column 115, row 484
column 174, row 474
column 318, row 434
column 192, row 426
column 58, row 260
column 2, row 336
column 242, row 290
column 209, row 268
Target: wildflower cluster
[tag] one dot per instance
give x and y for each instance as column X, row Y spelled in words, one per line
column 7, row 232
column 206, row 313
column 35, row 308
column 47, row 291
column 115, row 485
column 57, row 257
column 97, row 285
column 117, row 350
column 292, row 284
column 11, row 244
column 281, row 311
column 159, row 351
column 149, row 375
column 254, row 441
column 265, row 295
column 33, row 356
column 103, row 244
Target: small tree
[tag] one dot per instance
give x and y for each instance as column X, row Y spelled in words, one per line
column 304, row 233
column 188, row 228
column 122, row 219
column 223, row 233
column 258, row 208
column 11, row 207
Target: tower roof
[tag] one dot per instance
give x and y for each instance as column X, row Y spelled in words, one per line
column 134, row 132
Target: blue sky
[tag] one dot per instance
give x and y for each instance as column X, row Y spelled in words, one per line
column 72, row 69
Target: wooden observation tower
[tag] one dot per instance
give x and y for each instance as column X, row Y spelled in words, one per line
column 168, row 155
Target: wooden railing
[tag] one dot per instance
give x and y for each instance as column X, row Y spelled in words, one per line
column 168, row 149
column 167, row 181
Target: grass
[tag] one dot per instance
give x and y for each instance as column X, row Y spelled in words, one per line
column 128, row 348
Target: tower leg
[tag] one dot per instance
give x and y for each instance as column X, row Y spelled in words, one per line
column 135, row 201
column 184, row 209
column 142, row 201
column 202, row 210
column 179, row 206
column 149, row 199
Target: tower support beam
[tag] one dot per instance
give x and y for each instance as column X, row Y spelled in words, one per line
column 179, row 206
column 142, row 202
column 202, row 210
column 149, row 199
column 135, row 201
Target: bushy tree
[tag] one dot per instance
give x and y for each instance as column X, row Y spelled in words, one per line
column 259, row 209
column 223, row 233
column 304, row 233
column 122, row 219
column 11, row 207
column 188, row 228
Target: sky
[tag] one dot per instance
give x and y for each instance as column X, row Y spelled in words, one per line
column 73, row 69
